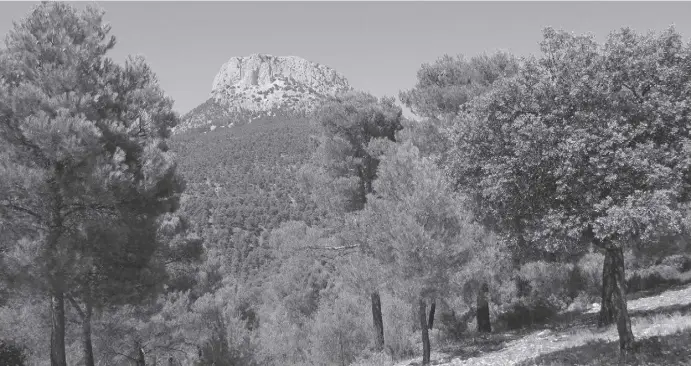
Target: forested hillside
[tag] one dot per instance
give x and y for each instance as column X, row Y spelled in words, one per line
column 244, row 177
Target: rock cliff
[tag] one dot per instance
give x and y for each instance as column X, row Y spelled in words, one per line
column 261, row 85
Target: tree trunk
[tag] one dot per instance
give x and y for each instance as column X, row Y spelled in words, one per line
column 85, row 315
column 378, row 321
column 86, row 336
column 415, row 324
column 606, row 316
column 141, row 360
column 57, row 334
column 425, row 333
column 483, row 323
column 619, row 301
column 432, row 309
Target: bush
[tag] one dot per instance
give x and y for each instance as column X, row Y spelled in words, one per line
column 452, row 325
column 224, row 339
column 11, row 354
column 399, row 322
column 229, row 344
column 525, row 314
column 283, row 342
column 590, row 271
column 540, row 291
column 681, row 262
column 340, row 331
column 546, row 283
column 653, row 277
column 374, row 359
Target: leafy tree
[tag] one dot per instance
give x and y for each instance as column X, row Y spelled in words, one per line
column 444, row 86
column 84, row 168
column 342, row 170
column 588, row 144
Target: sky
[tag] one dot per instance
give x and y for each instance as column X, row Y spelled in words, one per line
column 378, row 46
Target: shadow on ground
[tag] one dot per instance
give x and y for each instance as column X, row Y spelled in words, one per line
column 671, row 350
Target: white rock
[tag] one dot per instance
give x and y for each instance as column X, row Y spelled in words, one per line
column 593, row 308
column 261, row 82
column 262, row 70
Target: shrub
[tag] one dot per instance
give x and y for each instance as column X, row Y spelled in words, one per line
column 525, row 314
column 653, row 277
column 539, row 292
column 452, row 325
column 229, row 344
column 11, row 354
column 399, row 323
column 373, row 359
column 590, row 270
column 283, row 342
column 681, row 262
column 224, row 339
column 546, row 283
column 340, row 331
column 581, row 302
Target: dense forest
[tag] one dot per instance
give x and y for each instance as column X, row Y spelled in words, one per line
column 527, row 190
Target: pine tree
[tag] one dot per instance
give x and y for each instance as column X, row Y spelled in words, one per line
column 84, row 167
column 343, row 169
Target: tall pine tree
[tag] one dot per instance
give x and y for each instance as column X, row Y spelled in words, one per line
column 343, row 169
column 84, row 167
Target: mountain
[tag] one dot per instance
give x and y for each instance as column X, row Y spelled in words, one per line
column 260, row 85
column 240, row 156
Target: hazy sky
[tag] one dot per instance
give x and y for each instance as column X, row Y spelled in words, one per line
column 378, row 46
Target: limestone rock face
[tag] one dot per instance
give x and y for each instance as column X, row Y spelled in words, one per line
column 259, row 85
column 260, row 70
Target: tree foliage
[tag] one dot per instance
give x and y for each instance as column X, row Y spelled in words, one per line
column 587, row 143
column 343, row 170
column 85, row 169
column 450, row 82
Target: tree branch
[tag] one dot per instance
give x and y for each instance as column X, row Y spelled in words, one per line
column 74, row 208
column 170, row 349
column 121, row 354
column 632, row 90
column 76, row 307
column 21, row 209
column 343, row 247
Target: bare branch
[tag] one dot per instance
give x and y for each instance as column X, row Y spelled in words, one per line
column 21, row 209
column 632, row 90
column 121, row 354
column 74, row 208
column 170, row 349
column 343, row 247
column 76, row 307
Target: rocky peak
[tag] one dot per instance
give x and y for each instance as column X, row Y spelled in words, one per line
column 260, row 85
column 260, row 70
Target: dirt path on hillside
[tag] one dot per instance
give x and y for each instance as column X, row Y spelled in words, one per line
column 546, row 341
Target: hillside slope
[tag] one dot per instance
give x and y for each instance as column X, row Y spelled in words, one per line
column 241, row 183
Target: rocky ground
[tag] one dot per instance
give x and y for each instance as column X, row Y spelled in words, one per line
column 666, row 314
